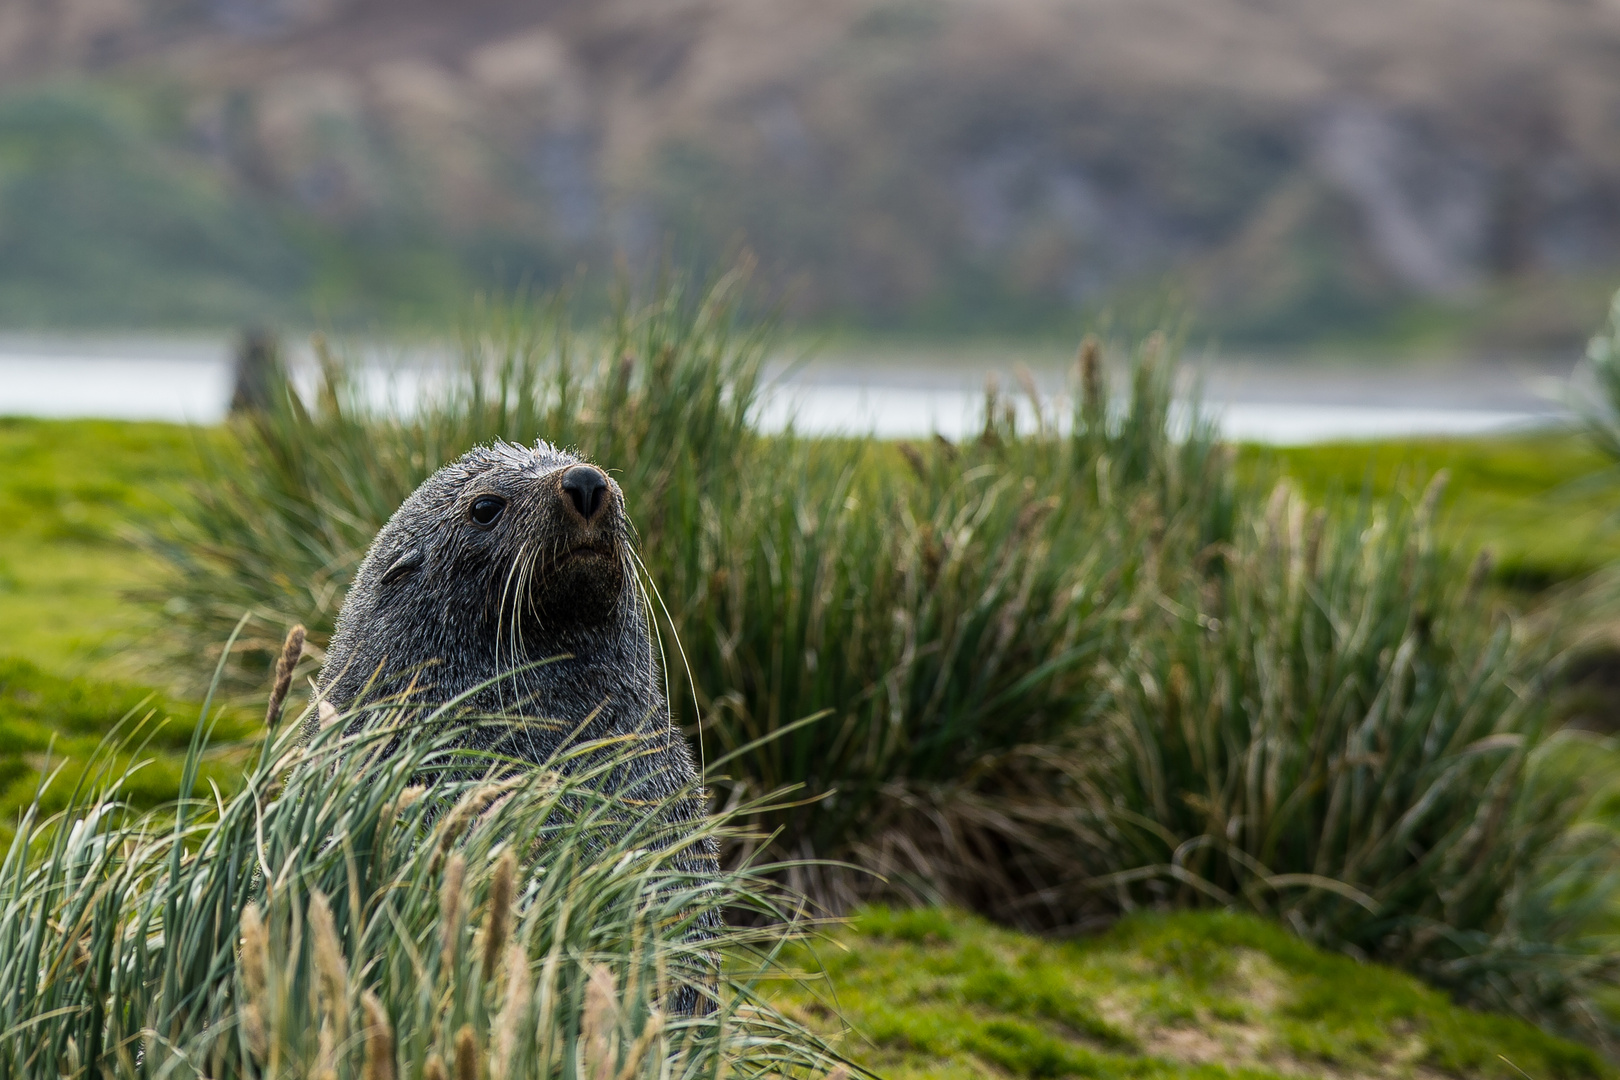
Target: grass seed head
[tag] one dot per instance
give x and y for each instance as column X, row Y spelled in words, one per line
column 914, row 458
column 379, row 1039
column 599, row 1022
column 466, row 1053
column 472, row 804
column 1091, row 386
column 1432, row 496
column 332, row 971
column 1479, row 573
column 509, row 1025
column 499, row 921
column 292, row 650
column 450, row 914
column 643, row 1043
column 255, row 966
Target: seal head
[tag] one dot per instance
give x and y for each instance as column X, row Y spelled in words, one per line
column 508, row 580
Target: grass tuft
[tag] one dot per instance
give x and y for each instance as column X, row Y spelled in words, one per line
column 292, row 929
column 1064, row 669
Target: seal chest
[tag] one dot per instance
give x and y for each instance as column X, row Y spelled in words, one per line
column 507, row 557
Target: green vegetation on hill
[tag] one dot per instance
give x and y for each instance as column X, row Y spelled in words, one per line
column 932, row 994
column 115, row 213
column 909, row 166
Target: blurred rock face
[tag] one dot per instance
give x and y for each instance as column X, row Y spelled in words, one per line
column 1287, row 163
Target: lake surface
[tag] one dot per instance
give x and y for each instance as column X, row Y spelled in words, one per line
column 890, row 394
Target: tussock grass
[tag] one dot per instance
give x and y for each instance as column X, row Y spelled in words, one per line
column 1340, row 730
column 285, row 514
column 338, row 918
column 1050, row 673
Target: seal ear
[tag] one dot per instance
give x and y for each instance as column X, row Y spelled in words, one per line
column 407, row 563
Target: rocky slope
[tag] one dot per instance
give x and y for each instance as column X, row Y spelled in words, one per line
column 1287, row 167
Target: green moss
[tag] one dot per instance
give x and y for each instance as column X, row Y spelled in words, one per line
column 71, row 666
column 935, row 993
column 71, row 494
column 51, row 724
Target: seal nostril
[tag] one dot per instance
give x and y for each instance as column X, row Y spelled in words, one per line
column 587, row 488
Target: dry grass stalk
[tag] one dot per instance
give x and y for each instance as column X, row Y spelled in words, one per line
column 1432, row 495
column 292, row 650
column 331, row 970
column 466, row 1053
column 599, row 1023
column 255, row 966
column 509, row 1024
column 472, row 804
column 1091, row 385
column 392, row 809
column 379, row 1039
column 643, row 1043
column 498, row 925
column 433, row 1068
column 450, row 914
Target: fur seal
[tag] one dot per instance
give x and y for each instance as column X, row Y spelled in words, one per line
column 504, row 558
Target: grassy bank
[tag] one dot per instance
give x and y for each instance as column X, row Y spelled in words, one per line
column 1052, row 672
column 72, row 494
column 1053, row 677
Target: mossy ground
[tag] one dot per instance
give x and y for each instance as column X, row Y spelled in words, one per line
column 71, row 496
column 932, row 994
column 938, row 994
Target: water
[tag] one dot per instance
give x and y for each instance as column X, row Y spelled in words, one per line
column 189, row 381
column 911, row 412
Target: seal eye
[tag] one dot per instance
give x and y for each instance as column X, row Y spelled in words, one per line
column 486, row 509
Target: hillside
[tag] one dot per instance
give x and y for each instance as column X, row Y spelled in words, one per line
column 1289, row 168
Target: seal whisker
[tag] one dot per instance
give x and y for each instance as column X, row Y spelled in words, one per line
column 519, row 648
column 501, row 619
column 658, row 636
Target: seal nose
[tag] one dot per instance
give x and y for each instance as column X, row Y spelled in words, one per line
column 587, row 487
